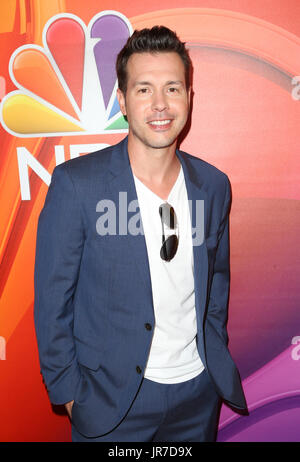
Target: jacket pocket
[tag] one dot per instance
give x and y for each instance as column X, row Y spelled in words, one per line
column 88, row 356
column 213, row 338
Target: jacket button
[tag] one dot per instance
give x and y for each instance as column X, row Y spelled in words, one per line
column 138, row 369
column 148, row 326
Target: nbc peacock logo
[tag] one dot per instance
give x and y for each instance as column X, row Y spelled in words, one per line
column 68, row 86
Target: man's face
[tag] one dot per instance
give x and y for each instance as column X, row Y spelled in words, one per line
column 156, row 102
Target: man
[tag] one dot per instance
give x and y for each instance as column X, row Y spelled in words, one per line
column 131, row 326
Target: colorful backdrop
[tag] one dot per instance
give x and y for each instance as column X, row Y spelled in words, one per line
column 57, row 91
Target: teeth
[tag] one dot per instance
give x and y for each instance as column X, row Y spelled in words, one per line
column 160, row 122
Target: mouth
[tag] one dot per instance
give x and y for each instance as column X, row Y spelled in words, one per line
column 159, row 125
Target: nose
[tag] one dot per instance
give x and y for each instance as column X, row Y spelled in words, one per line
column 159, row 101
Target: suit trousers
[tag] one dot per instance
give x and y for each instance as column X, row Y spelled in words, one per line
column 185, row 411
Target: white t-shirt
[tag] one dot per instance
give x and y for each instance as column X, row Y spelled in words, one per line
column 173, row 355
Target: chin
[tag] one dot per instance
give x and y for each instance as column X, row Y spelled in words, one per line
column 160, row 144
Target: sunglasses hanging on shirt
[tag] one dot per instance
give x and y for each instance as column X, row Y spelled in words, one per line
column 168, row 218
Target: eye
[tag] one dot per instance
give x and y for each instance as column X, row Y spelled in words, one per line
column 143, row 90
column 173, row 89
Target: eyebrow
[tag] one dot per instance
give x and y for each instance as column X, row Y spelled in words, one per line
column 175, row 82
column 170, row 82
column 143, row 82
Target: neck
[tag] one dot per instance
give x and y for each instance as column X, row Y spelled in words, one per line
column 151, row 164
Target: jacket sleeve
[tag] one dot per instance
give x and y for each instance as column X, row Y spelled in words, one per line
column 60, row 239
column 219, row 292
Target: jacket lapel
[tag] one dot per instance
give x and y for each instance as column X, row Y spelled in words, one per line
column 196, row 193
column 121, row 180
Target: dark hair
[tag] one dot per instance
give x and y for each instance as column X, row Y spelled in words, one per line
column 156, row 40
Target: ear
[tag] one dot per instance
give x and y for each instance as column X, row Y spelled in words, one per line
column 189, row 95
column 121, row 99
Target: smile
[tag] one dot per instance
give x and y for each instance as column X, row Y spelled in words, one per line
column 160, row 122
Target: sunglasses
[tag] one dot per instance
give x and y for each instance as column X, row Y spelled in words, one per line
column 169, row 246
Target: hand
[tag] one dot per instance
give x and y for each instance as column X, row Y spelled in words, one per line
column 68, row 407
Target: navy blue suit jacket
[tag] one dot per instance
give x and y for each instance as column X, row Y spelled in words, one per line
column 93, row 297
